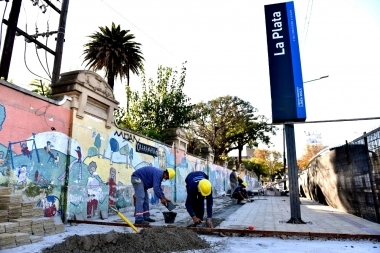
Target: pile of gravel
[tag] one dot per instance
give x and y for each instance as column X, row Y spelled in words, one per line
column 155, row 239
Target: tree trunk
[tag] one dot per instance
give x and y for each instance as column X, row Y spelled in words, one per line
column 239, row 155
column 128, row 91
column 111, row 80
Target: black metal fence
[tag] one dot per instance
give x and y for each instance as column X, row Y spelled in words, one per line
column 357, row 169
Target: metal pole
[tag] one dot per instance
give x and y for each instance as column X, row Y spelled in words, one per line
column 295, row 209
column 60, row 41
column 175, row 169
column 10, row 39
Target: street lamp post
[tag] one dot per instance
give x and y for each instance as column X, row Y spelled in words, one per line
column 295, row 209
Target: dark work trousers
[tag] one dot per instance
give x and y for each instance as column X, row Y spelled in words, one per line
column 198, row 203
column 237, row 196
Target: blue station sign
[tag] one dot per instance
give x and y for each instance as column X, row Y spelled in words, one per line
column 288, row 100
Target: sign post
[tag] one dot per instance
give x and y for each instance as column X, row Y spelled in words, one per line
column 288, row 101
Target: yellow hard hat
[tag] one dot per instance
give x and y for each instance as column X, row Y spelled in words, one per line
column 171, row 173
column 234, row 168
column 204, row 187
column 245, row 184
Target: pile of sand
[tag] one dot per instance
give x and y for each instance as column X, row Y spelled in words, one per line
column 155, row 239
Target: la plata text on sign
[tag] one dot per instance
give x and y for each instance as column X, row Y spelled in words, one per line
column 277, row 33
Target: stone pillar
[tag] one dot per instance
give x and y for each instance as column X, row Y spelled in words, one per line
column 90, row 94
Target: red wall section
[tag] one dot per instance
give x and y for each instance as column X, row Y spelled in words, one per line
column 26, row 114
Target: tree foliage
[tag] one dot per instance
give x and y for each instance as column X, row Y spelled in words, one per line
column 41, row 88
column 228, row 123
column 272, row 161
column 257, row 166
column 310, row 152
column 162, row 105
column 115, row 51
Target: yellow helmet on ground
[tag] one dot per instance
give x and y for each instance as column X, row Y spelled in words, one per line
column 204, row 187
column 245, row 184
column 171, row 173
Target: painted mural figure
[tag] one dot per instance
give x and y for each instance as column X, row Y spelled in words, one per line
column 48, row 150
column 79, row 153
column 93, row 190
column 79, row 160
column 56, row 161
column 25, row 150
column 22, row 175
column 112, row 185
column 50, row 208
column 2, row 160
column 130, row 156
column 161, row 158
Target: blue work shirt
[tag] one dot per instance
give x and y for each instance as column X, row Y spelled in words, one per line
column 152, row 178
column 191, row 181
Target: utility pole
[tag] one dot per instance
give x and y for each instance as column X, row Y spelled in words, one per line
column 11, row 32
column 60, row 41
column 10, row 39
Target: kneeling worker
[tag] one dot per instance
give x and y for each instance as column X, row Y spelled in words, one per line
column 240, row 193
column 143, row 179
column 198, row 189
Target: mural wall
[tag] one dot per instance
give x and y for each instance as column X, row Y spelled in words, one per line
column 33, row 144
column 71, row 164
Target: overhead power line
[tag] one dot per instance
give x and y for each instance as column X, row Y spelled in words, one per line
column 139, row 29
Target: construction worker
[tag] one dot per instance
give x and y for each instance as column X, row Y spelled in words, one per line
column 198, row 189
column 143, row 179
column 233, row 180
column 240, row 193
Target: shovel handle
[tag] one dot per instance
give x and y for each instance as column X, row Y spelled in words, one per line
column 124, row 218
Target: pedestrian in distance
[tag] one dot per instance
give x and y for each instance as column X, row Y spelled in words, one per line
column 143, row 179
column 233, row 180
column 199, row 189
column 240, row 193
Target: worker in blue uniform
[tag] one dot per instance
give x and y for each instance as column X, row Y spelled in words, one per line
column 143, row 179
column 199, row 189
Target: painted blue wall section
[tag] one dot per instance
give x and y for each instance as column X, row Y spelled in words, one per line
column 288, row 101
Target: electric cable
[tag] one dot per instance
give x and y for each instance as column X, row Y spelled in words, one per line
column 26, row 65
column 139, row 29
column 38, row 57
column 47, row 37
column 306, row 16
column 308, row 22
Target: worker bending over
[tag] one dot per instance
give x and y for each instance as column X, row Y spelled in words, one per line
column 198, row 189
column 240, row 193
column 143, row 179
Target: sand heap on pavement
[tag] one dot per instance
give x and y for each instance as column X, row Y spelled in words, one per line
column 154, row 239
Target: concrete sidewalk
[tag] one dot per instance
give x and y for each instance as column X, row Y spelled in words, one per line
column 270, row 213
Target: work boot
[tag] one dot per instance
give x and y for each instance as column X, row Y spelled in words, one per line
column 149, row 219
column 141, row 222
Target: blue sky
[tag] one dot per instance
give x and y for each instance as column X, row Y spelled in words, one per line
column 224, row 44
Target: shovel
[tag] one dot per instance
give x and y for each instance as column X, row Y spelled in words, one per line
column 169, row 205
column 113, row 208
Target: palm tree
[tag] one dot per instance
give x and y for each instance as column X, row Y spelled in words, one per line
column 115, row 51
